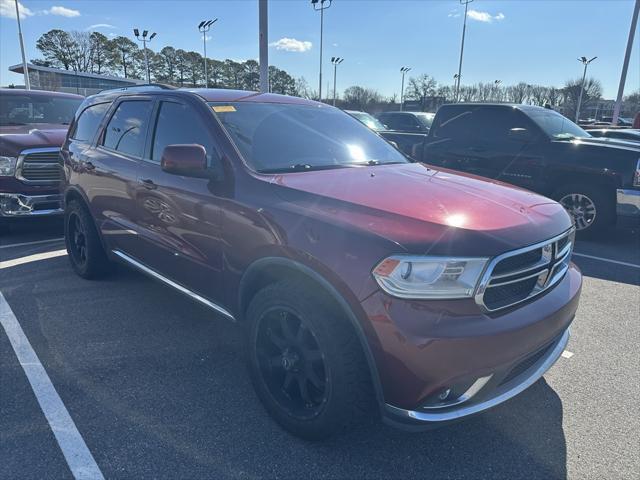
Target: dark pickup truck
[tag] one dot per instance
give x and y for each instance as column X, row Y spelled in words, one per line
column 596, row 179
column 33, row 125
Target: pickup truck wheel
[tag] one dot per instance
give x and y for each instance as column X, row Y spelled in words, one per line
column 306, row 363
column 589, row 206
column 85, row 251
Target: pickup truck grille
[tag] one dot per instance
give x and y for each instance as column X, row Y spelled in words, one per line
column 517, row 276
column 39, row 166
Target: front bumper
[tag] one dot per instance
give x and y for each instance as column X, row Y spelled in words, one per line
column 628, row 203
column 19, row 205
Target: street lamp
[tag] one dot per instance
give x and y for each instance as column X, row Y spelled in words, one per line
column 144, row 41
column 496, row 86
column 336, row 61
column 586, row 63
column 321, row 5
column 25, row 69
column 403, row 70
column 464, row 29
column 203, row 28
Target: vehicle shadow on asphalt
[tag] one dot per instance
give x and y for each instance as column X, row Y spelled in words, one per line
column 158, row 388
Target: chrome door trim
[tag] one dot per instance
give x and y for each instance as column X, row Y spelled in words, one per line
column 152, row 273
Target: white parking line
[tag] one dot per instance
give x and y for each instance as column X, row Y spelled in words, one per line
column 37, row 242
column 617, row 262
column 75, row 450
column 31, row 258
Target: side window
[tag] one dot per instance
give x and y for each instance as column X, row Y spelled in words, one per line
column 179, row 124
column 409, row 122
column 126, row 131
column 391, row 121
column 492, row 125
column 455, row 124
column 88, row 122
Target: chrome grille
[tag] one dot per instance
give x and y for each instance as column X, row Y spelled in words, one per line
column 39, row 166
column 517, row 276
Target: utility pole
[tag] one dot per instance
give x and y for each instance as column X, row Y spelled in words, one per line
column 319, row 5
column 403, row 70
column 25, row 69
column 144, row 41
column 464, row 30
column 584, row 76
column 336, row 61
column 263, row 39
column 625, row 65
column 203, row 28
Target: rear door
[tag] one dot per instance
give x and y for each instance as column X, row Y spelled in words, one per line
column 180, row 217
column 112, row 169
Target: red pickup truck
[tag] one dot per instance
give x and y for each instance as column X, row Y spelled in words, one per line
column 33, row 125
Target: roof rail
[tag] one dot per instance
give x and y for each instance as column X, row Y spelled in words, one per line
column 142, row 87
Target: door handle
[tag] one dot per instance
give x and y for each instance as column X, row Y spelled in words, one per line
column 148, row 184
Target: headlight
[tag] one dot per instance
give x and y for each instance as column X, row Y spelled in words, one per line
column 7, row 166
column 425, row 277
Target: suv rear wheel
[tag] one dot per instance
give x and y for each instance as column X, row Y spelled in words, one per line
column 86, row 254
column 306, row 362
column 589, row 206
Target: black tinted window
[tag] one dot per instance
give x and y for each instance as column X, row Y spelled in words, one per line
column 126, row 131
column 27, row 109
column 88, row 122
column 179, row 124
column 479, row 125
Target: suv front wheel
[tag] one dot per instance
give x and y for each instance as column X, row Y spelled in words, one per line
column 306, row 362
column 84, row 248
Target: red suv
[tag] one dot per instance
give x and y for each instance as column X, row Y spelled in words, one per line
column 365, row 283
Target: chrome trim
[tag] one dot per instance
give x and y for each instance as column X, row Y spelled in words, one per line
column 501, row 394
column 171, row 283
column 29, row 151
column 18, row 205
column 552, row 264
column 465, row 397
column 628, row 202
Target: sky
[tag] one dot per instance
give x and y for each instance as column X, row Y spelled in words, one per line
column 535, row 41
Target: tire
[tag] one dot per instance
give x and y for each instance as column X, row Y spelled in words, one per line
column 290, row 333
column 591, row 208
column 84, row 248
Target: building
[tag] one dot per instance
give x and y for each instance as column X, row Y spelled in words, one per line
column 69, row 81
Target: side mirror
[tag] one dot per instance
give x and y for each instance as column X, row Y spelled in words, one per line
column 520, row 135
column 185, row 160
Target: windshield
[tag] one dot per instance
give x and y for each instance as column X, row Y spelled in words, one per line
column 27, row 109
column 425, row 119
column 556, row 125
column 277, row 137
column 370, row 121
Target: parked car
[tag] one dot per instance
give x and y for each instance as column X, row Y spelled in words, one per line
column 33, row 125
column 369, row 120
column 597, row 180
column 364, row 283
column 622, row 121
column 408, row 122
column 628, row 134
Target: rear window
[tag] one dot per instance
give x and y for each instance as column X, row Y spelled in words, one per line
column 282, row 137
column 88, row 121
column 127, row 130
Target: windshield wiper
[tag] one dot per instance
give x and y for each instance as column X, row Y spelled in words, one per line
column 302, row 167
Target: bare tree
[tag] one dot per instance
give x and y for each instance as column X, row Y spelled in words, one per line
column 592, row 92
column 518, row 93
column 421, row 87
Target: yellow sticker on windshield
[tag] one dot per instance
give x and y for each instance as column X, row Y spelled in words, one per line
column 223, row 108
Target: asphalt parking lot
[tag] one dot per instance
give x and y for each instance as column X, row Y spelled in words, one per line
column 156, row 386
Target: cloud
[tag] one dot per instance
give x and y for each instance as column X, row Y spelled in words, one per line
column 291, row 45
column 8, row 9
column 101, row 25
column 453, row 13
column 485, row 17
column 62, row 11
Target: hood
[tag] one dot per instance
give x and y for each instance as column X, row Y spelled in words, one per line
column 602, row 142
column 416, row 206
column 14, row 138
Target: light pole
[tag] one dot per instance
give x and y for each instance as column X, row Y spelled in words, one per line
column 455, row 82
column 403, row 70
column 321, row 5
column 464, row 30
column 25, row 69
column 263, row 41
column 336, row 61
column 625, row 64
column 496, row 86
column 203, row 28
column 584, row 76
column 144, row 41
